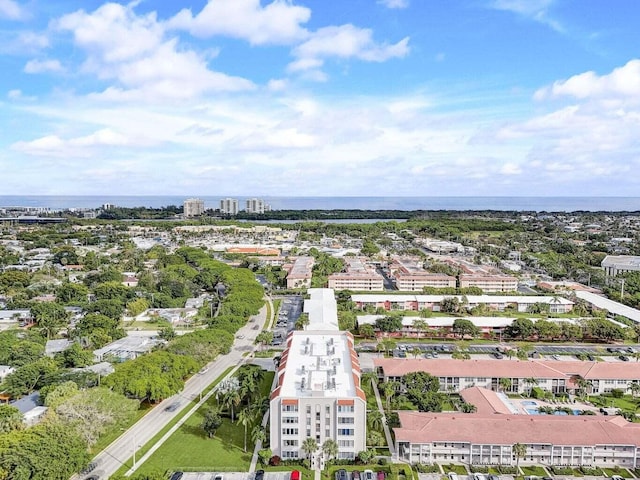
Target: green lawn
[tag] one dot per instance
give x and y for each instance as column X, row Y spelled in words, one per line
column 190, row 449
column 459, row 469
column 533, row 470
column 305, row 473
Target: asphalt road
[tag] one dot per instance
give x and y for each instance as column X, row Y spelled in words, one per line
column 122, row 449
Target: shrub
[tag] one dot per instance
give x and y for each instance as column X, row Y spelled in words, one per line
column 382, row 461
column 422, row 468
column 275, row 461
column 479, row 469
column 617, row 393
column 507, row 470
column 562, row 470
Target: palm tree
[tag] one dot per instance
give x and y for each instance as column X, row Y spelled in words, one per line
column 374, row 419
column 420, row 326
column 368, row 378
column 530, row 382
column 309, row 446
column 258, row 434
column 389, row 389
column 519, row 451
column 583, row 386
column 634, row 387
column 245, row 417
column 505, row 383
column 330, row 449
column 510, row 353
column 231, row 400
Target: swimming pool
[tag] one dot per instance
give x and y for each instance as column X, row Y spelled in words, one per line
column 529, row 403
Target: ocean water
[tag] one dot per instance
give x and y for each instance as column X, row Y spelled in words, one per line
column 524, row 204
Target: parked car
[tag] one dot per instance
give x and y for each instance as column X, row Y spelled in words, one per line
column 368, row 475
column 295, row 475
column 494, row 477
column 89, row 468
column 555, row 357
column 341, row 474
column 479, row 476
column 590, row 357
column 624, row 358
column 355, row 475
column 452, row 476
column 381, row 475
column 176, row 476
column 218, row 476
column 498, row 355
column 259, row 475
column 617, row 477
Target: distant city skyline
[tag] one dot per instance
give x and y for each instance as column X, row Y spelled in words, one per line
column 315, row 98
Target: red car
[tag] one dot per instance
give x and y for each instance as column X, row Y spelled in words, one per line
column 295, row 475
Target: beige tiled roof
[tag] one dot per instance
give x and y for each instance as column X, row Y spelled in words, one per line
column 418, row 427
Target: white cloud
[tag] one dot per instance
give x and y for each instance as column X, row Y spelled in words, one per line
column 345, row 41
column 394, row 3
column 132, row 51
column 536, row 10
column 11, row 10
column 277, row 84
column 278, row 22
column 621, row 82
column 42, row 66
column 53, row 145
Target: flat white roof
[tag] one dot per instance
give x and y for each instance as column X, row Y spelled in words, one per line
column 610, row 305
column 486, row 322
column 322, row 309
column 470, row 298
column 318, row 365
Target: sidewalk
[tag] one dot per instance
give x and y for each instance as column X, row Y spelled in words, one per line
column 387, row 432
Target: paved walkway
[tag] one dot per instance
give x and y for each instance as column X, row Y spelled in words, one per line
column 265, row 419
column 387, row 432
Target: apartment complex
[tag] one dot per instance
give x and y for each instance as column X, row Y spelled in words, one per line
column 498, row 303
column 256, row 205
column 192, row 207
column 229, row 206
column 318, row 392
column 299, row 272
column 357, row 276
column 488, row 439
column 489, row 283
column 551, row 375
column 410, row 276
column 615, row 264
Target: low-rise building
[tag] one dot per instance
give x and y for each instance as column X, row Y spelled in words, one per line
column 490, row 283
column 299, row 272
column 615, row 264
column 498, row 303
column 357, row 276
column 488, row 439
column 550, row 375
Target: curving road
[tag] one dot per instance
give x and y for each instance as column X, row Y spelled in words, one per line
column 124, row 450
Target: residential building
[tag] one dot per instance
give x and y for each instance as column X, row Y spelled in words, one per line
column 488, row 439
column 299, row 272
column 417, row 281
column 550, row 375
column 598, row 302
column 229, row 206
column 256, row 205
column 490, row 283
column 193, row 207
column 498, row 303
column 490, row 327
column 615, row 264
column 357, row 276
column 317, row 393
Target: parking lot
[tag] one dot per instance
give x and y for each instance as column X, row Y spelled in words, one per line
column 290, row 310
column 548, row 352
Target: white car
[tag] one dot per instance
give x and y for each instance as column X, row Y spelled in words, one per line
column 452, row 476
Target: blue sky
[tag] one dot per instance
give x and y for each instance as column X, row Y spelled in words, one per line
column 320, row 97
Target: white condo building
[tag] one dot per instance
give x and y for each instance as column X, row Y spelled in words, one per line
column 318, row 392
column 256, row 205
column 193, row 207
column 229, row 206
